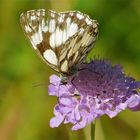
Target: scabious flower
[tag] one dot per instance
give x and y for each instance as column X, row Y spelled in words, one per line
column 98, row 88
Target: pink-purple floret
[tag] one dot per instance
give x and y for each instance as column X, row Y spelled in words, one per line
column 96, row 89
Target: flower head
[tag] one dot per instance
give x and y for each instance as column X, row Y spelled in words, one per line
column 98, row 88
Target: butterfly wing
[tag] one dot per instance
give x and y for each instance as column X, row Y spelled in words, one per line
column 61, row 39
column 38, row 30
column 81, row 34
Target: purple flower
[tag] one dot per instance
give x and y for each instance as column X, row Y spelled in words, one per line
column 98, row 88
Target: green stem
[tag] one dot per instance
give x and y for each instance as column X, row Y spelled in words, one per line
column 92, row 131
column 76, row 135
column 81, row 135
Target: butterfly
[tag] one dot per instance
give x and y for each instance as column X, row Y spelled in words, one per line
column 62, row 40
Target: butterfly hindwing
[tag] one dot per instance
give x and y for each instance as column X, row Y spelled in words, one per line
column 61, row 39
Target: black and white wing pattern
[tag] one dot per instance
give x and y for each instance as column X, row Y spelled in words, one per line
column 61, row 39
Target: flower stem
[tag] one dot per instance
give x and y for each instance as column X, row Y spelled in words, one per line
column 77, row 135
column 81, row 135
column 92, row 131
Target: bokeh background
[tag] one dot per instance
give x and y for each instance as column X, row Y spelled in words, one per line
column 25, row 107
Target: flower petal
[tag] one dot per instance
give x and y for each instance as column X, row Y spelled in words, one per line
column 53, row 90
column 56, row 121
column 54, row 79
column 134, row 103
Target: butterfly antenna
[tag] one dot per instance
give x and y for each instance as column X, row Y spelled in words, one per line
column 39, row 85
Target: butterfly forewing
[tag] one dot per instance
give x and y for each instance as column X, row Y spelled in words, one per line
column 61, row 39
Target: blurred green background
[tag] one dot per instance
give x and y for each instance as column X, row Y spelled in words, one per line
column 25, row 110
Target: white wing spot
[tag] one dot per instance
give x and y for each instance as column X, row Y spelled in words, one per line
column 52, row 40
column 72, row 29
column 68, row 21
column 60, row 19
column 33, row 17
column 45, row 29
column 64, row 66
column 52, row 25
column 52, row 15
column 44, row 26
column 37, row 38
column 50, row 56
column 71, row 14
column 79, row 16
column 58, row 37
column 88, row 21
column 64, row 36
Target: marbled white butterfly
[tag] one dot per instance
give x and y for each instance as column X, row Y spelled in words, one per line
column 62, row 40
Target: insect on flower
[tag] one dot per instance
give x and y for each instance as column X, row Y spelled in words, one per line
column 62, row 39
